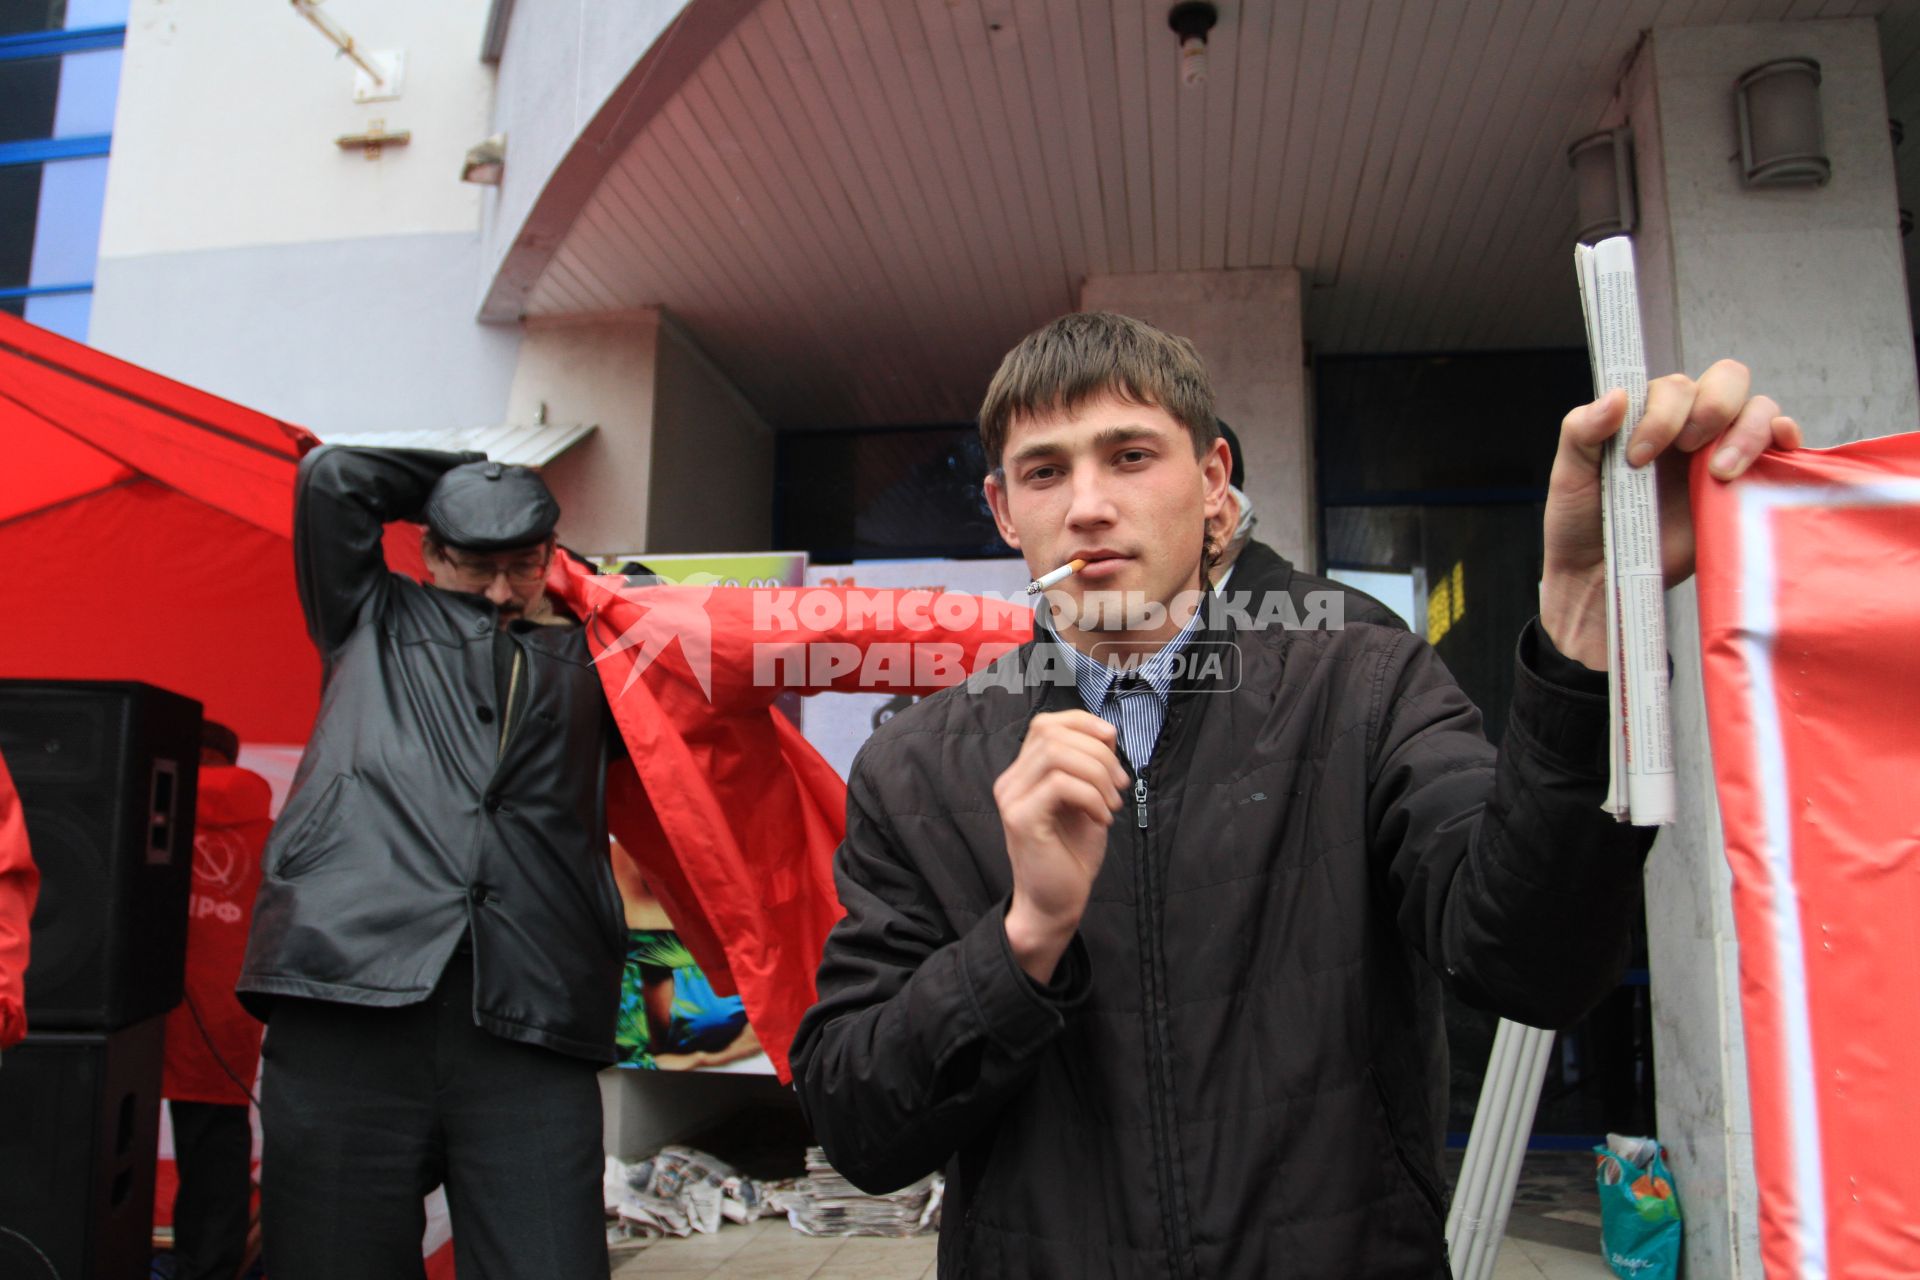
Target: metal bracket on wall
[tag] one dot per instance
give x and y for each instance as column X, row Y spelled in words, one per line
column 374, row 139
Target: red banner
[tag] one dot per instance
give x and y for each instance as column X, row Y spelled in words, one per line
column 1809, row 583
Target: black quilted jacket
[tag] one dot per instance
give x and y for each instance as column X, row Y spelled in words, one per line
column 1239, row 1069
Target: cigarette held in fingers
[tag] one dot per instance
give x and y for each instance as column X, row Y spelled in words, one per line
column 1059, row 575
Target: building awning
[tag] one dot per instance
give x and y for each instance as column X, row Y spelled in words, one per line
column 533, row 444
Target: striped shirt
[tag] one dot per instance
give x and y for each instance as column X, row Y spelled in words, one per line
column 1135, row 702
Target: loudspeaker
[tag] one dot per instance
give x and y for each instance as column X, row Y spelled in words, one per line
column 79, row 1133
column 106, row 773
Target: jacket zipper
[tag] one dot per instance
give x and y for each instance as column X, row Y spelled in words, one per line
column 1160, row 1081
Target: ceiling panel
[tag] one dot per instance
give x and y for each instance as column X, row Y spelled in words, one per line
column 856, row 206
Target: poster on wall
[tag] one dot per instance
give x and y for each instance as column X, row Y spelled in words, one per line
column 671, row 1019
column 838, row 724
column 717, row 569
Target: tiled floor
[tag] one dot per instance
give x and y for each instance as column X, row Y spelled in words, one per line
column 1553, row 1233
column 771, row 1250
column 1529, row 1260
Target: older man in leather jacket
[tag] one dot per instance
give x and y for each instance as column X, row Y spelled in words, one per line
column 438, row 939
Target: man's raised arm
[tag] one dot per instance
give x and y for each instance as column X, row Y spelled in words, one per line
column 343, row 499
column 1504, row 872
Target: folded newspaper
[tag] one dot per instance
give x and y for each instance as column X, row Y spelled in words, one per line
column 1640, row 786
column 825, row 1204
column 677, row 1192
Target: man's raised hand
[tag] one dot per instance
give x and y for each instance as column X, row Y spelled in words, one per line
column 1056, row 801
column 1684, row 415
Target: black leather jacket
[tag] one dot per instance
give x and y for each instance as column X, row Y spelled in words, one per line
column 423, row 807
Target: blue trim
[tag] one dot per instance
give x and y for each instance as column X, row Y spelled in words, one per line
column 44, row 290
column 47, row 44
column 1636, row 978
column 41, row 150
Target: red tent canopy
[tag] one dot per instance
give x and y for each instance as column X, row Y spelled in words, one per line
column 147, row 529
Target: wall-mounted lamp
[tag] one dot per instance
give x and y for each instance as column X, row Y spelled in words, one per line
column 1782, row 142
column 1191, row 20
column 486, row 162
column 1603, row 184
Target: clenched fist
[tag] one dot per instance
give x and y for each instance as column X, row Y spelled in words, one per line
column 1056, row 801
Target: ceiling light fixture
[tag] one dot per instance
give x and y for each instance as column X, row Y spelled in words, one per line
column 1191, row 20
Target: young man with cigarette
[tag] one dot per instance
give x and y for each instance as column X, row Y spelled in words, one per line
column 1150, row 958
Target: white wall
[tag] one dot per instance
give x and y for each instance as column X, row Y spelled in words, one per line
column 600, row 370
column 679, row 461
column 228, row 114
column 244, row 252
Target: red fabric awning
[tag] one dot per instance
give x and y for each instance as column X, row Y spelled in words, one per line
column 147, row 529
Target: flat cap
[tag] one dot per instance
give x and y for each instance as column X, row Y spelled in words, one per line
column 489, row 506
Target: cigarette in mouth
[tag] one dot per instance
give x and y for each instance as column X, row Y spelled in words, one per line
column 1061, row 574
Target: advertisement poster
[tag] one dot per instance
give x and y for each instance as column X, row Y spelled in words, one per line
column 721, row 569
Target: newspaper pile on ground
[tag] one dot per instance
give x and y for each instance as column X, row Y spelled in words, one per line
column 1640, row 788
column 677, row 1192
column 825, row 1204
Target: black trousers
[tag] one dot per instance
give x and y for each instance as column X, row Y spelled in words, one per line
column 213, row 1151
column 366, row 1111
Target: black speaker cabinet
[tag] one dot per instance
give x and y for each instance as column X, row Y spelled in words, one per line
column 79, row 1131
column 106, row 774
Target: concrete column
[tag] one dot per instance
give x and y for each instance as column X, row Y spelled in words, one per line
column 642, row 1111
column 712, row 482
column 1247, row 327
column 1807, row 286
column 680, row 461
column 600, row 370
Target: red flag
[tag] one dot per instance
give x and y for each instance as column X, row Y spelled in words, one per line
column 732, row 815
column 1809, row 609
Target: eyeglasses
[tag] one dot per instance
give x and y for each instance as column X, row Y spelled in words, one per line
column 481, row 573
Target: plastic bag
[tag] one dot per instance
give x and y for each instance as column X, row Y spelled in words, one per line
column 1639, row 1209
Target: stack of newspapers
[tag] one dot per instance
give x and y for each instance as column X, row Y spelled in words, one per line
column 1640, row 788
column 825, row 1204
